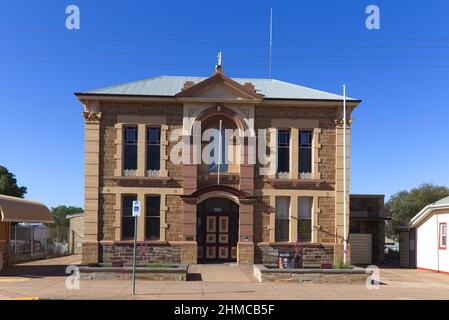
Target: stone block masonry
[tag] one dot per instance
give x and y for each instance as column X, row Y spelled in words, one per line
column 313, row 255
column 145, row 253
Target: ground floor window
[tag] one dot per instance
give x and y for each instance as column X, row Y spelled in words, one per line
column 127, row 217
column 443, row 236
column 305, row 219
column 282, row 223
column 153, row 218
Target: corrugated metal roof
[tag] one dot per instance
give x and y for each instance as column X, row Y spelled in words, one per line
column 442, row 202
column 171, row 85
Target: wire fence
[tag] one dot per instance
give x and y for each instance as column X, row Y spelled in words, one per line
column 29, row 242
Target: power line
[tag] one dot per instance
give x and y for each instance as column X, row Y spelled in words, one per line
column 244, row 43
column 215, row 35
column 184, row 54
column 230, row 65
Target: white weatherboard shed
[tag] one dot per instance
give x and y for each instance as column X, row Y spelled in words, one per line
column 431, row 230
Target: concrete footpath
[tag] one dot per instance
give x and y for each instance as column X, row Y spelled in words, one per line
column 213, row 282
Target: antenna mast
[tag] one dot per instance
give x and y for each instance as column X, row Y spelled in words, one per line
column 271, row 40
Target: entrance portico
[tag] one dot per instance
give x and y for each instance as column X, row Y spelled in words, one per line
column 218, row 226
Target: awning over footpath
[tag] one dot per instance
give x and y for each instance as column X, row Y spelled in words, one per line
column 14, row 209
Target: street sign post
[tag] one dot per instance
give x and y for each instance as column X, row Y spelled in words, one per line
column 136, row 214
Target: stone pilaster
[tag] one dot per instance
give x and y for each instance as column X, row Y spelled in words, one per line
column 339, row 192
column 245, row 245
column 92, row 117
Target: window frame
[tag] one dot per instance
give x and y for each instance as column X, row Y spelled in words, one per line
column 148, row 217
column 305, row 219
column 442, row 246
column 287, row 147
column 148, row 145
column 276, row 220
column 223, row 167
column 133, row 144
column 122, row 217
column 308, row 147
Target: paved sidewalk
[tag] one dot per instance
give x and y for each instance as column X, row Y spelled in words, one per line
column 229, row 273
column 219, row 282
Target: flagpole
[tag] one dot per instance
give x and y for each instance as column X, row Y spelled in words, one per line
column 345, row 244
column 219, row 154
column 271, row 41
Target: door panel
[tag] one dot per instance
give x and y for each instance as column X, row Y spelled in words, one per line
column 211, row 223
column 217, row 231
column 211, row 252
column 224, row 224
column 211, row 238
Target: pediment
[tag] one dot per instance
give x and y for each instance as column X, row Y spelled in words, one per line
column 220, row 91
column 219, row 86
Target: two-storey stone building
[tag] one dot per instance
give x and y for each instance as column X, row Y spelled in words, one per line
column 197, row 212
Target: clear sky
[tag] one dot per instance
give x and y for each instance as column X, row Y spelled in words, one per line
column 400, row 131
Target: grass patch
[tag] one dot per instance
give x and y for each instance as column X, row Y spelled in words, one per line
column 341, row 265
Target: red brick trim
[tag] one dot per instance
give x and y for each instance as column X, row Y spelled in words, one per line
column 238, row 193
column 425, row 269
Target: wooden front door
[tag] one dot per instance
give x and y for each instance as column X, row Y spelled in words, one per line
column 217, row 232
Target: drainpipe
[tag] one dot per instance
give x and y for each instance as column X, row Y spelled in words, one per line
column 344, row 177
column 438, row 243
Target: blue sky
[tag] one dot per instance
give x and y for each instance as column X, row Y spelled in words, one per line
column 401, row 72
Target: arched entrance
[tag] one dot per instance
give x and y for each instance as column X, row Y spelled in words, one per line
column 217, row 230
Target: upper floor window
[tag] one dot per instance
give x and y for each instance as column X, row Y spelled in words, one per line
column 305, row 152
column 305, row 219
column 153, row 149
column 221, row 147
column 282, row 223
column 153, row 218
column 283, row 152
column 130, row 148
column 127, row 217
column 443, row 236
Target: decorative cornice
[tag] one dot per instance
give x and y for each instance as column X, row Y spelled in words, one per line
column 91, row 116
column 339, row 122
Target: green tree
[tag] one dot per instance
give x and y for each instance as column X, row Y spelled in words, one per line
column 8, row 184
column 60, row 214
column 404, row 205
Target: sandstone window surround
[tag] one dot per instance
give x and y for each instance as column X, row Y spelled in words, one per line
column 142, row 123
column 282, row 218
column 127, row 219
column 294, row 216
column 141, row 195
column 295, row 126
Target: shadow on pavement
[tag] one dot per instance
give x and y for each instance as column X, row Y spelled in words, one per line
column 34, row 271
column 194, row 277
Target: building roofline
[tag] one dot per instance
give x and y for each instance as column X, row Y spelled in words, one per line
column 81, row 95
column 424, row 213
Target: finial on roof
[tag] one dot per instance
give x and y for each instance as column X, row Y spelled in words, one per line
column 218, row 67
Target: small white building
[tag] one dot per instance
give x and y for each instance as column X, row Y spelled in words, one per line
column 426, row 238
